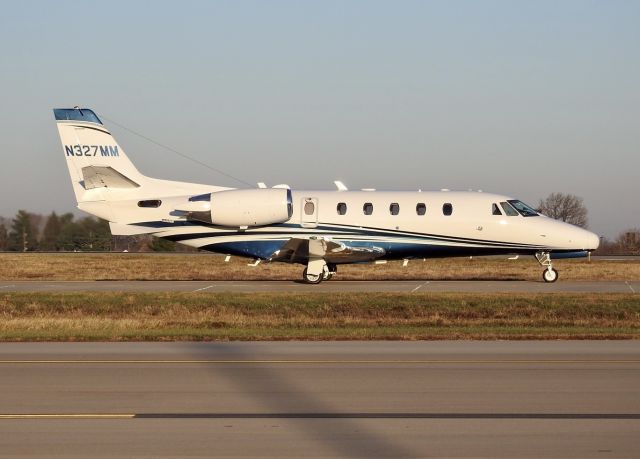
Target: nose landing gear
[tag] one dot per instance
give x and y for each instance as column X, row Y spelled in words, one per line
column 549, row 274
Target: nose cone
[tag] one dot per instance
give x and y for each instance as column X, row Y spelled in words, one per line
column 565, row 236
column 584, row 240
column 591, row 240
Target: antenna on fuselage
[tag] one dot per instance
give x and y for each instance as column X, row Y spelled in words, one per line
column 340, row 186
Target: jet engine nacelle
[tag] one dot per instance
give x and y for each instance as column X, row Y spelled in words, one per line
column 244, row 208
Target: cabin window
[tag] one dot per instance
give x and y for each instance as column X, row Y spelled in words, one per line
column 394, row 208
column 510, row 211
column 150, row 203
column 309, row 208
column 447, row 209
column 495, row 210
column 421, row 208
column 341, row 208
column 367, row 208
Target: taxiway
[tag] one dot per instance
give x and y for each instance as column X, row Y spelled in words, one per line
column 338, row 399
column 334, row 286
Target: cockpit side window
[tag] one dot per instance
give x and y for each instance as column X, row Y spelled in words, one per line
column 510, row 211
column 525, row 210
column 495, row 210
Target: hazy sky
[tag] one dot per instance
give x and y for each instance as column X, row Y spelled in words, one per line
column 521, row 98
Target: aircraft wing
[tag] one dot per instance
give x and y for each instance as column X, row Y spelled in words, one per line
column 299, row 250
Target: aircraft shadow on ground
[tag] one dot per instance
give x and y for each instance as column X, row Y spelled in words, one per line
column 260, row 381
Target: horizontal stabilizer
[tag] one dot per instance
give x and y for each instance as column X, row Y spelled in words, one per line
column 105, row 176
column 122, row 229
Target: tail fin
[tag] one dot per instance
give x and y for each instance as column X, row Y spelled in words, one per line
column 106, row 183
column 94, row 158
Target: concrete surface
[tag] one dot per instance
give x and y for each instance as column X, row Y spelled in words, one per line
column 336, row 399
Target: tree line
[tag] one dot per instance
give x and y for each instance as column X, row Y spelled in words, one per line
column 30, row 232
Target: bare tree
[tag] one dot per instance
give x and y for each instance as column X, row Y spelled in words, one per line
column 566, row 207
column 629, row 241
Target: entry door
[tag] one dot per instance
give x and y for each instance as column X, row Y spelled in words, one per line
column 309, row 209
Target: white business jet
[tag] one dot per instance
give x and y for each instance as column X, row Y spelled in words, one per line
column 317, row 229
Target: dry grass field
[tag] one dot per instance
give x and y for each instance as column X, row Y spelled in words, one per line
column 202, row 316
column 130, row 266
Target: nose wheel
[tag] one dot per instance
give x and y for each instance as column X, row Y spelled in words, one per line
column 549, row 274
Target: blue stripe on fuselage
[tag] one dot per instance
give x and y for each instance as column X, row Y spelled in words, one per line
column 394, row 250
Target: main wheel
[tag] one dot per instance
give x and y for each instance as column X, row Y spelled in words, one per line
column 328, row 272
column 550, row 275
column 311, row 278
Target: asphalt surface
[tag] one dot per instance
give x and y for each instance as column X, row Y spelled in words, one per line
column 330, row 286
column 330, row 399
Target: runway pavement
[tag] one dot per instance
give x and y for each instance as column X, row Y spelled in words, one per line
column 329, row 399
column 331, row 286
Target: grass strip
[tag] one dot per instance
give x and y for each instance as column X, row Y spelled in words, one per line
column 362, row 316
column 135, row 266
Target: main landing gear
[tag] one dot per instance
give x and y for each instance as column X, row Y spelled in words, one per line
column 329, row 271
column 549, row 274
column 318, row 271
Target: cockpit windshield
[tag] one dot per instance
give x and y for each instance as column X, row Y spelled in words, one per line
column 525, row 210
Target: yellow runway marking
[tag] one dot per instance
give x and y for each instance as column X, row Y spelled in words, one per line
column 322, row 362
column 67, row 416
